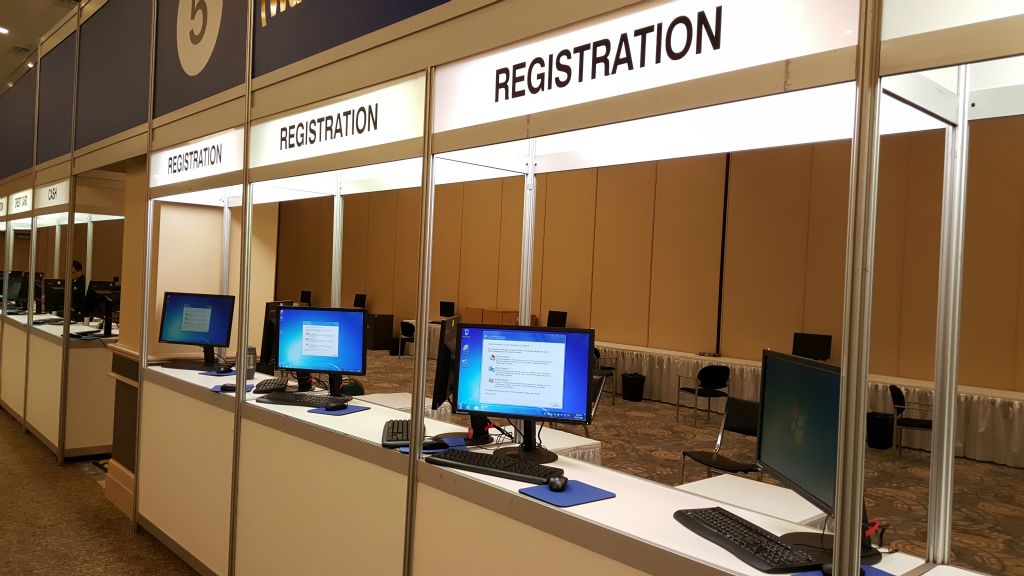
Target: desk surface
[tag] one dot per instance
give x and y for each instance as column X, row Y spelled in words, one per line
column 642, row 509
column 749, row 494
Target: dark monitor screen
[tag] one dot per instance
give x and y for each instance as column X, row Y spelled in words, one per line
column 524, row 372
column 798, row 432
column 445, row 369
column 359, row 301
column 557, row 318
column 447, row 309
column 813, row 346
column 197, row 319
column 268, row 347
column 22, row 293
column 14, row 285
column 328, row 340
column 53, row 294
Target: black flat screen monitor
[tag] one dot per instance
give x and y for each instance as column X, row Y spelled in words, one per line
column 98, row 296
column 813, row 346
column 268, row 347
column 444, row 384
column 447, row 309
column 22, row 293
column 198, row 320
column 536, row 374
column 798, row 437
column 557, row 318
column 14, row 287
column 328, row 340
column 359, row 301
column 53, row 295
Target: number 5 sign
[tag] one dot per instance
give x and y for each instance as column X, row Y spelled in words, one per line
column 198, row 26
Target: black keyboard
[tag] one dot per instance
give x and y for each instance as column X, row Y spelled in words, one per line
column 270, row 385
column 302, row 399
column 396, row 434
column 502, row 466
column 748, row 542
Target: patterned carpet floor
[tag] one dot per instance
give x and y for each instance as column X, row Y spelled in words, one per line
column 643, row 438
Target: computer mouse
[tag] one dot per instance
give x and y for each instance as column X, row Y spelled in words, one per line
column 826, row 569
column 557, row 483
column 227, row 387
column 335, row 405
column 224, row 369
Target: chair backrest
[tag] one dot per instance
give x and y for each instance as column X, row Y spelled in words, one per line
column 557, row 318
column 714, row 376
column 408, row 329
column 899, row 401
column 741, row 416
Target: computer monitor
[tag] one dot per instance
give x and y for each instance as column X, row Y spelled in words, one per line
column 444, row 384
column 53, row 295
column 198, row 320
column 359, row 301
column 798, row 437
column 813, row 346
column 329, row 340
column 447, row 309
column 557, row 318
column 268, row 347
column 14, row 288
column 524, row 372
column 22, row 293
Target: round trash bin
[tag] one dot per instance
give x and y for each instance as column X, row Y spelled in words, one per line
column 880, row 426
column 633, row 386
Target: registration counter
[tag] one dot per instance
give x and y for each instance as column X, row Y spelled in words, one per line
column 12, row 365
column 310, row 483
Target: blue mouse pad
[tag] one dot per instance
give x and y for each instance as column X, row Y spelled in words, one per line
column 215, row 373
column 575, row 492
column 248, row 388
column 343, row 412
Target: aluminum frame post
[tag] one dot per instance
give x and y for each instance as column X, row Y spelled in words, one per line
column 860, row 248
column 947, row 328
column 529, row 223
column 337, row 238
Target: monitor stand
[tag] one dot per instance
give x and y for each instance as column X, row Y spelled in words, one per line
column 334, row 383
column 209, row 358
column 820, row 546
column 305, row 380
column 477, row 435
column 529, row 450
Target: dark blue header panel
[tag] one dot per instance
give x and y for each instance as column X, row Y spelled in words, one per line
column 17, row 115
column 113, row 75
column 56, row 87
column 286, row 31
column 200, row 51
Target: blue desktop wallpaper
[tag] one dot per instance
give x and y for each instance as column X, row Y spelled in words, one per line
column 578, row 357
column 800, row 428
column 351, row 351
column 221, row 309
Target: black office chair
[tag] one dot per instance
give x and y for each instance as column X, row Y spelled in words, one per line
column 407, row 333
column 359, row 301
column 741, row 418
column 607, row 368
column 557, row 318
column 712, row 382
column 899, row 402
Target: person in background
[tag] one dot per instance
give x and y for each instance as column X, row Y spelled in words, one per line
column 77, row 290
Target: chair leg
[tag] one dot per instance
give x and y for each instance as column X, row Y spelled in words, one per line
column 899, row 442
column 586, row 430
column 677, row 403
column 682, row 472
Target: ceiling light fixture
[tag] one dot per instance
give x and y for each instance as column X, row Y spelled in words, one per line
column 31, row 64
column 4, row 30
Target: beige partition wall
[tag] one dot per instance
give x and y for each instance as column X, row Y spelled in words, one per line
column 623, row 231
column 687, row 244
column 510, row 243
column 569, row 245
column 407, row 254
column 992, row 314
column 481, row 239
column 766, row 249
column 447, row 249
column 304, row 248
column 262, row 270
column 133, row 256
column 380, row 252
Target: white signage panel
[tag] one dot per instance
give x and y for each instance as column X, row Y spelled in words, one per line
column 218, row 154
column 389, row 114
column 635, row 50
column 56, row 194
column 19, row 202
column 3, row 207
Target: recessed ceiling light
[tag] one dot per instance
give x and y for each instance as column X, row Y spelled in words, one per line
column 10, row 84
column 3, row 30
column 31, row 64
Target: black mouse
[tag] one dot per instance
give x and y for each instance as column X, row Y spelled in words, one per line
column 557, row 483
column 335, row 405
column 227, row 387
column 224, row 369
column 826, row 568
